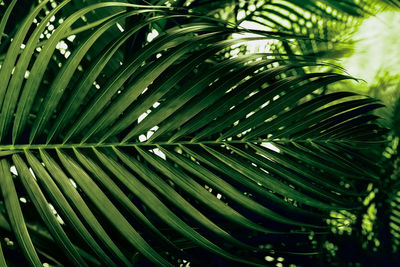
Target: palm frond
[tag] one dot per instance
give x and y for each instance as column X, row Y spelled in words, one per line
column 175, row 143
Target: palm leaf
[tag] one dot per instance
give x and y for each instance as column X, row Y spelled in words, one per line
column 176, row 144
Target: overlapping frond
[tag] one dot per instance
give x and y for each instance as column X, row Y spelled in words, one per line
column 175, row 144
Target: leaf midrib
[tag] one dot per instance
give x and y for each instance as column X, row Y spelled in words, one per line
column 166, row 143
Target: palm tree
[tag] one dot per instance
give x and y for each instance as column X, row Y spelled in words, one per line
column 129, row 133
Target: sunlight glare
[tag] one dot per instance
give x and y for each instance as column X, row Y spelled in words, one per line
column 376, row 48
column 256, row 46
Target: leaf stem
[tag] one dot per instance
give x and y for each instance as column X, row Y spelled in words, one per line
column 206, row 142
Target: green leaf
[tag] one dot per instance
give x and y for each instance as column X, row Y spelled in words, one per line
column 15, row 215
column 42, row 206
column 216, row 182
column 108, row 209
column 2, row 259
column 13, row 51
column 118, row 194
column 157, row 206
column 5, row 17
column 64, row 207
column 12, row 94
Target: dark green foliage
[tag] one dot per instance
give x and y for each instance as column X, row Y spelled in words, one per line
column 118, row 146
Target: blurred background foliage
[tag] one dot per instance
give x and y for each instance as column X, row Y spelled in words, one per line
column 361, row 37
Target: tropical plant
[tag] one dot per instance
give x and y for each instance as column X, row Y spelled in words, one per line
column 118, row 144
column 374, row 238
